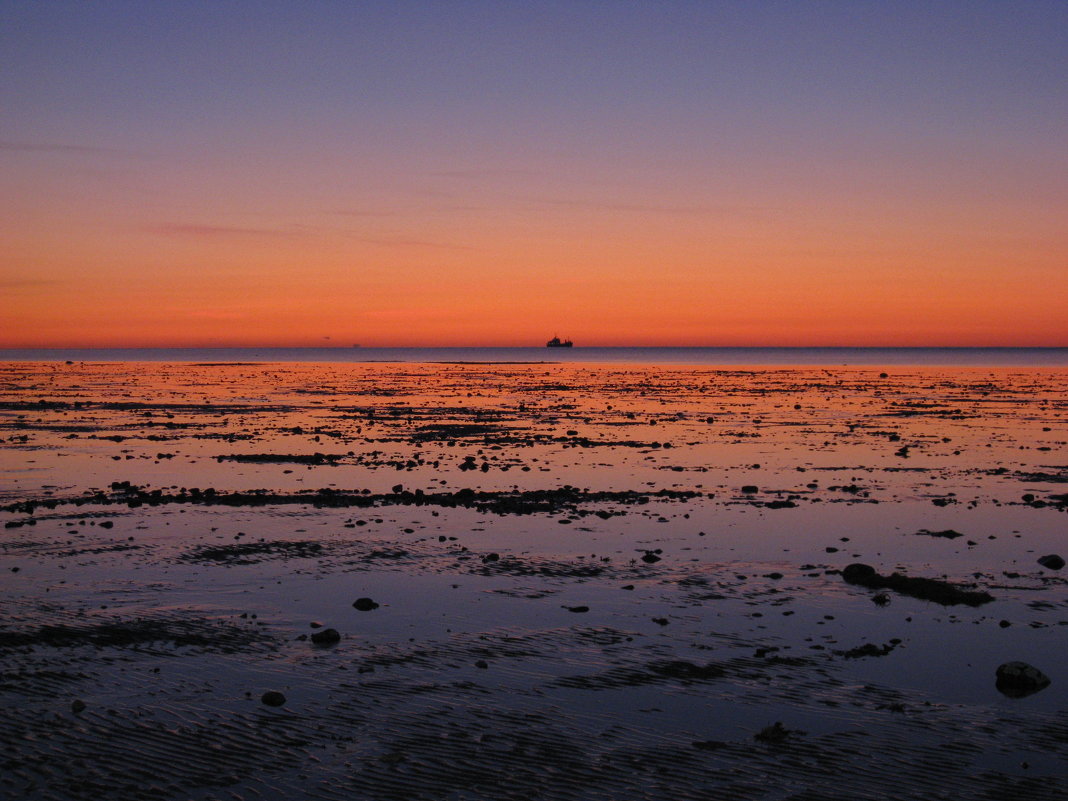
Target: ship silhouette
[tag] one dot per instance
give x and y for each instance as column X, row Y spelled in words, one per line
column 556, row 342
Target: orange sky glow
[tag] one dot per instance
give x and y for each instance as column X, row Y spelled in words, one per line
column 903, row 198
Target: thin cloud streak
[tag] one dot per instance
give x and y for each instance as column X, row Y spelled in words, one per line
column 9, row 146
column 640, row 208
column 26, row 283
column 204, row 231
column 387, row 240
column 361, row 213
column 218, row 231
column 645, row 208
column 480, row 173
column 402, row 242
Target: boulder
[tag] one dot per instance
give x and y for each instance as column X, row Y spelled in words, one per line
column 273, row 698
column 1019, row 679
column 326, row 637
column 858, row 572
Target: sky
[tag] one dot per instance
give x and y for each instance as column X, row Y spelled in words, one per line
column 494, row 173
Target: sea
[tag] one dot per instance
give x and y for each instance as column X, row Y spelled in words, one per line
column 840, row 356
column 622, row 576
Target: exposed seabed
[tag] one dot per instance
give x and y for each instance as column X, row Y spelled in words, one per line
column 546, row 581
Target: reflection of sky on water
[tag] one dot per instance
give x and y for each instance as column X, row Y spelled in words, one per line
column 829, row 440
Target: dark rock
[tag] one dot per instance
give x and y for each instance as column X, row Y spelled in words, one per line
column 491, row 557
column 941, row 592
column 364, row 605
column 481, row 664
column 326, row 637
column 948, row 534
column 750, row 489
column 1019, row 679
column 77, row 706
column 867, row 649
column 649, row 557
column 858, row 572
column 273, row 698
column 577, row 608
column 1051, row 561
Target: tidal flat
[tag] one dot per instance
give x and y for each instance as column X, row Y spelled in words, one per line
column 519, row 581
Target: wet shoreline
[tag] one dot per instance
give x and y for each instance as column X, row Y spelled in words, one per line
column 590, row 582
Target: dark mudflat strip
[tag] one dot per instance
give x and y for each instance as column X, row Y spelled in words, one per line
column 244, row 553
column 188, row 632
column 137, row 406
column 565, row 498
column 283, row 458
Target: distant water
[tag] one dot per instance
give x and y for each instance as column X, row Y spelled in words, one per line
column 977, row 357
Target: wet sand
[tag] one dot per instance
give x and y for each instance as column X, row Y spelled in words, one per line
column 585, row 581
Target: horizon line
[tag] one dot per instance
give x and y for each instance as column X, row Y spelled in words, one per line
column 530, row 347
